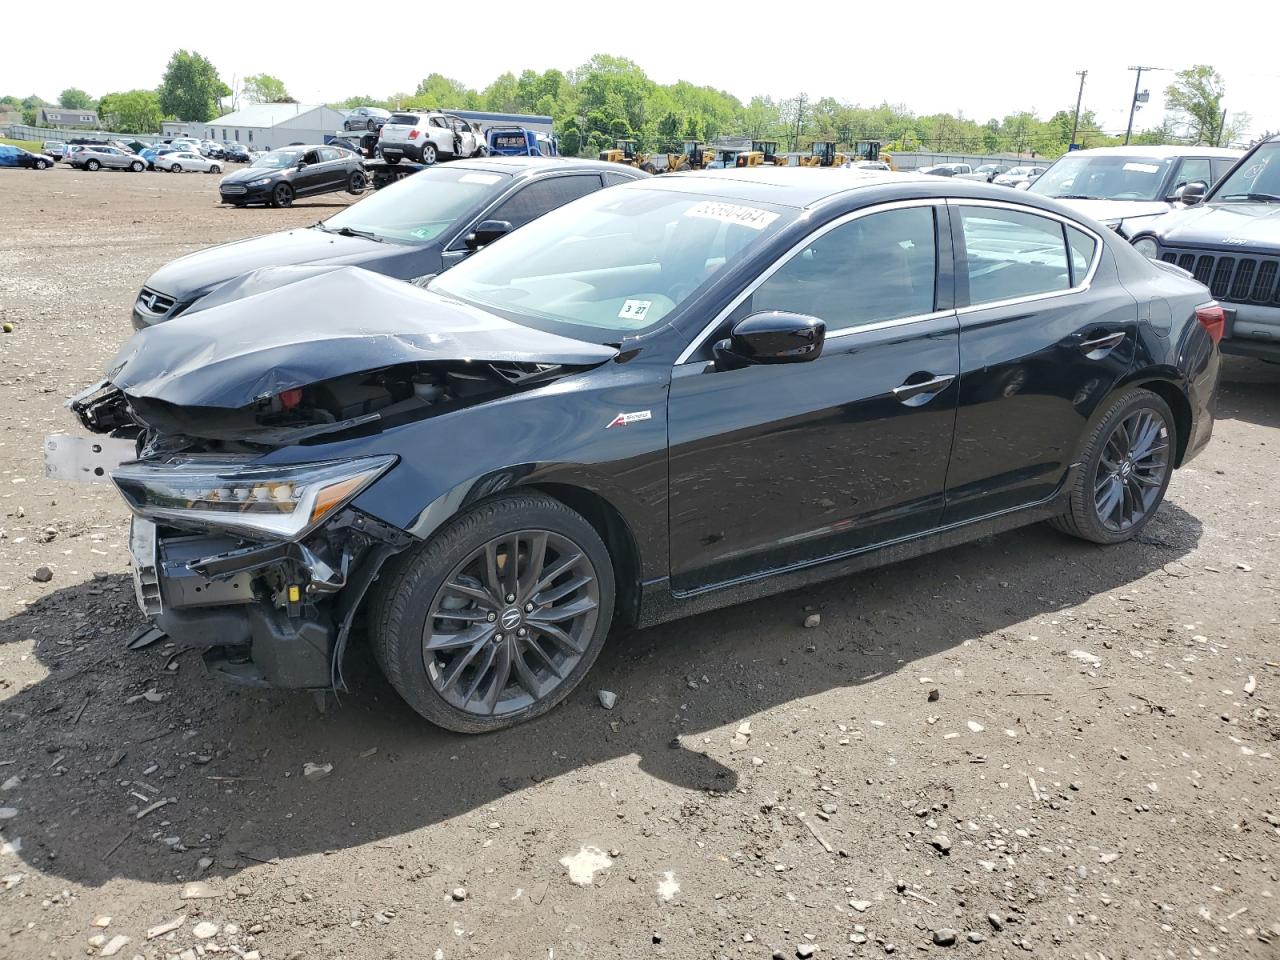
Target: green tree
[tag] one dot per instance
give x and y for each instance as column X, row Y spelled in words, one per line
column 264, row 88
column 1195, row 100
column 352, row 102
column 502, row 96
column 438, row 92
column 73, row 98
column 191, row 88
column 133, row 111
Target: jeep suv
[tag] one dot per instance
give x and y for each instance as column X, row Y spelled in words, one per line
column 1229, row 239
column 429, row 136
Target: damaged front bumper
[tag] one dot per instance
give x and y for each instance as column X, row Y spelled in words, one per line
column 269, row 614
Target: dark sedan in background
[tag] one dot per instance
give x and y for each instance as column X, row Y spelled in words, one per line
column 414, row 228
column 281, row 176
column 11, row 156
column 663, row 398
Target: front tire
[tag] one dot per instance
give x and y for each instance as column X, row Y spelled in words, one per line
column 1127, row 465
column 498, row 617
column 176, row 168
column 215, row 169
column 137, row 166
column 282, row 195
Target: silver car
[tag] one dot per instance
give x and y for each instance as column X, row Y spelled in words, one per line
column 112, row 158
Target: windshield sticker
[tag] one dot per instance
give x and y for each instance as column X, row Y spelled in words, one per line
column 634, row 310
column 485, row 178
column 1143, row 167
column 752, row 217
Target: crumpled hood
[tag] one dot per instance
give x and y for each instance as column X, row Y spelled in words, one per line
column 314, row 325
column 1110, row 211
column 1228, row 226
column 196, row 272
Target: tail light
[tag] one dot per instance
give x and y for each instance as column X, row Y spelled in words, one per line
column 413, row 134
column 1213, row 319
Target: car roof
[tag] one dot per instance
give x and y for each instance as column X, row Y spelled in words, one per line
column 518, row 166
column 808, row 187
column 1163, row 150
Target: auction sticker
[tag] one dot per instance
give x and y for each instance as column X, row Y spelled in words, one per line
column 485, row 178
column 752, row 217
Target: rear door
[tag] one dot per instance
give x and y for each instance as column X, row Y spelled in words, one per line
column 312, row 177
column 334, row 168
column 783, row 465
column 1046, row 331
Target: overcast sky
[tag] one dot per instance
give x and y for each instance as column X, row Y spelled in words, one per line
column 980, row 59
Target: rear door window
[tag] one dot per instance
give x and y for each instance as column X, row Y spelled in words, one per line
column 1011, row 255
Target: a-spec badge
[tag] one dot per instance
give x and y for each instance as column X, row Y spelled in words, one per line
column 1236, row 241
column 624, row 419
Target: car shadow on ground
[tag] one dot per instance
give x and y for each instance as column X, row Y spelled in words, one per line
column 231, row 760
column 1249, row 390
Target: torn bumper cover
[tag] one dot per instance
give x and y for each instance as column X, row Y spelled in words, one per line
column 270, row 614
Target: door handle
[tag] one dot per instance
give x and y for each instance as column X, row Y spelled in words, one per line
column 1101, row 345
column 921, row 392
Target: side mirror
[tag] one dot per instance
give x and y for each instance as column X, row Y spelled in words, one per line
column 773, row 336
column 1193, row 192
column 486, row 232
column 302, row 164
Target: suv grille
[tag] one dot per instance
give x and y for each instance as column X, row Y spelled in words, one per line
column 154, row 304
column 1229, row 278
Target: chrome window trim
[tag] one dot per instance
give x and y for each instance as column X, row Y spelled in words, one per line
column 697, row 342
column 1034, row 212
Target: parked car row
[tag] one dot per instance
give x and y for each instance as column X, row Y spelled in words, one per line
column 560, row 427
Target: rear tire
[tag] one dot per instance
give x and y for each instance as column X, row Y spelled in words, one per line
column 516, row 676
column 1126, row 467
column 429, row 154
column 92, row 165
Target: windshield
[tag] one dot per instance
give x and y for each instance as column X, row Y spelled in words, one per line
column 1257, row 178
column 1105, row 177
column 616, row 262
column 278, row 159
column 419, row 208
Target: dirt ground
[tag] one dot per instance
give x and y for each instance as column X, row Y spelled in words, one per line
column 1095, row 777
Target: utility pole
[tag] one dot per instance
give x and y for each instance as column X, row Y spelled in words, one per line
column 1222, row 126
column 801, row 101
column 1133, row 105
column 1075, row 124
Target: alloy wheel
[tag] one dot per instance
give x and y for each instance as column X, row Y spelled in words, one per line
column 1132, row 470
column 511, row 622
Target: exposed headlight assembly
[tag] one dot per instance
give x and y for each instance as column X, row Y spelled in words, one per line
column 1147, row 247
column 260, row 182
column 286, row 502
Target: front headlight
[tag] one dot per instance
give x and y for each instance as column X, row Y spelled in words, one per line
column 260, row 182
column 1147, row 247
column 284, row 502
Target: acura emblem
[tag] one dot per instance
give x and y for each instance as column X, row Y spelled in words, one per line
column 510, row 618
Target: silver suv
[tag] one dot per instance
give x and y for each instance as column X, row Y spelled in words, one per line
column 113, row 158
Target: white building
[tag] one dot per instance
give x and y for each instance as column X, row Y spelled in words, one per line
column 267, row 126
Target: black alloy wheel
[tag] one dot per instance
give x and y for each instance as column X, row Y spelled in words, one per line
column 511, row 622
column 498, row 617
column 282, row 195
column 357, row 182
column 1132, row 470
column 1125, row 469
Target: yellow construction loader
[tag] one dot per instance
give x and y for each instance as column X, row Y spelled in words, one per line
column 823, row 154
column 627, row 153
column 692, row 156
column 762, row 153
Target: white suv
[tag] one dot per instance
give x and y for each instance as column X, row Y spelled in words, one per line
column 429, row 136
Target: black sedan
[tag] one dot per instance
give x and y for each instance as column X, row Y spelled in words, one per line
column 414, row 228
column 663, row 398
column 279, row 177
column 11, row 156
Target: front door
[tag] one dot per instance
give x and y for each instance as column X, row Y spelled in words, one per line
column 1041, row 346
column 777, row 465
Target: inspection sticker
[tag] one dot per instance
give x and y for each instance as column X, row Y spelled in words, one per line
column 634, row 310
column 485, row 178
column 1141, row 167
column 752, row 217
